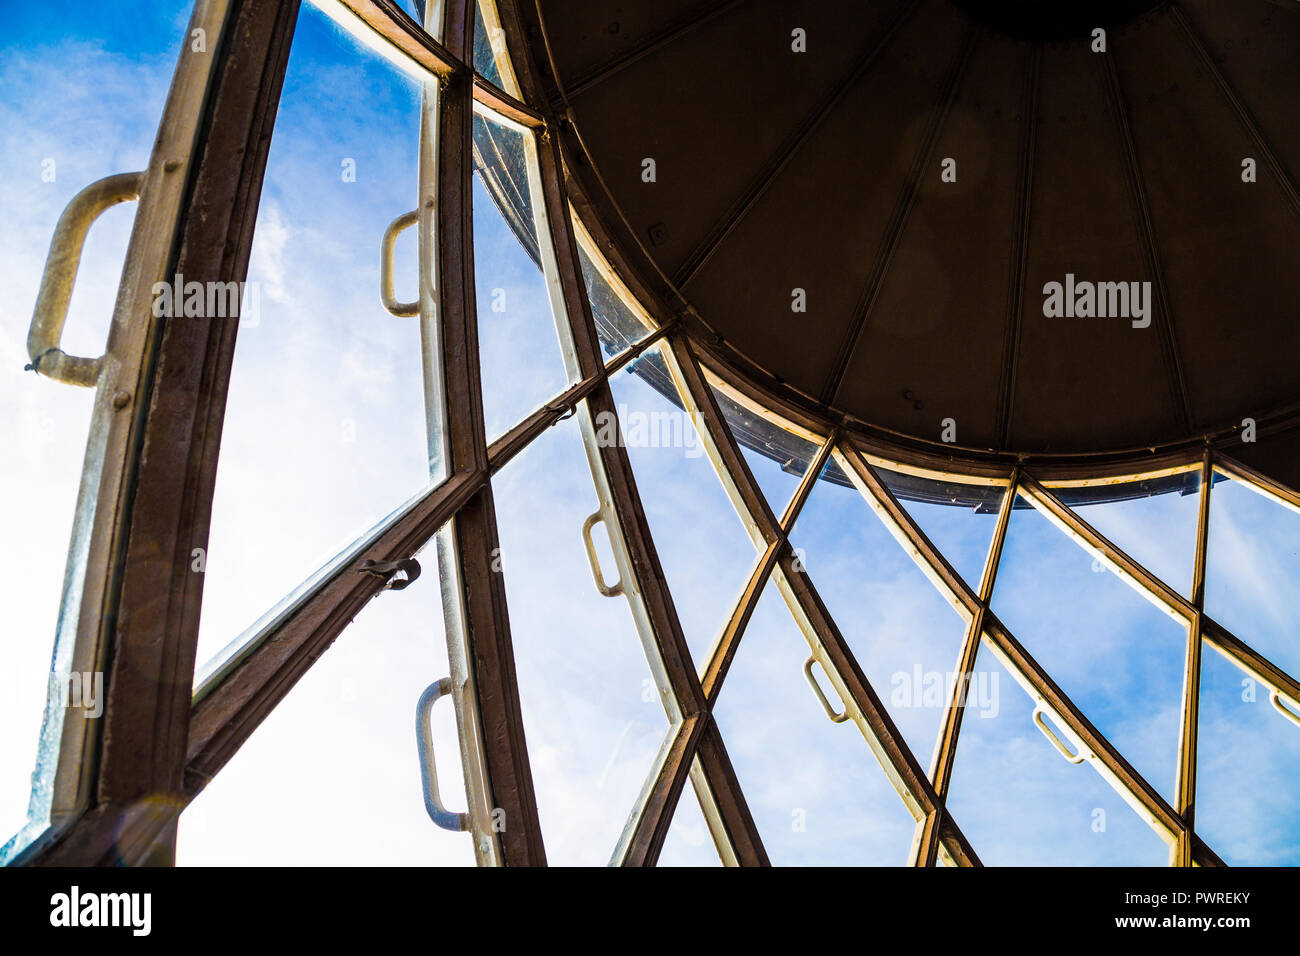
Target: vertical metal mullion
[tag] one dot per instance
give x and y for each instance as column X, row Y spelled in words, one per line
column 633, row 545
column 946, row 744
column 1186, row 779
column 486, row 691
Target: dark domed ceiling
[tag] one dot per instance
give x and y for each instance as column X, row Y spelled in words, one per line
column 822, row 171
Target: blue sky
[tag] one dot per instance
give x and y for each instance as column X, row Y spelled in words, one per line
column 325, row 436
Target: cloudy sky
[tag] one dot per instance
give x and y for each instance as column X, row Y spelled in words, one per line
column 325, row 436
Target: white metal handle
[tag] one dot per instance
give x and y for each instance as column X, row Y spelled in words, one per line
column 1282, row 709
column 60, row 275
column 836, row 718
column 386, row 290
column 609, row 590
column 1056, row 741
column 447, row 819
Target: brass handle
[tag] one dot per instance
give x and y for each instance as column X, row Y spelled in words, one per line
column 817, row 689
column 386, row 291
column 609, row 590
column 60, row 275
column 447, row 819
column 1056, row 741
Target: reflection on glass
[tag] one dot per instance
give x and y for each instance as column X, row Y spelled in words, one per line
column 816, row 792
column 620, row 321
column 1116, row 656
column 1252, row 573
column 83, row 94
column 325, row 429
column 592, row 714
column 1248, row 755
column 332, row 776
column 490, row 48
column 904, row 634
column 521, row 364
column 957, row 518
column 705, row 551
column 1153, row 522
column 776, row 455
column 689, row 842
column 1020, row 803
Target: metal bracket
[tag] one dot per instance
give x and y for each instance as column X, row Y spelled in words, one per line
column 386, row 291
column 396, row 574
column 609, row 590
column 447, row 819
column 1076, row 758
column 821, row 696
column 60, row 275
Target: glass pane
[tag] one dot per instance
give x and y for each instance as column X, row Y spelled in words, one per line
column 325, row 430
column 332, row 776
column 1118, row 657
column 1020, row 803
column 816, row 792
column 1252, row 573
column 519, row 348
column 776, row 455
column 620, row 321
column 705, row 551
column 592, row 713
column 957, row 518
column 83, row 94
column 904, row 634
column 1248, row 757
column 1153, row 522
column 689, row 842
column 490, row 46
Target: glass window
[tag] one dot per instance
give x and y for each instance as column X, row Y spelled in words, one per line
column 777, row 455
column 593, row 716
column 1248, row 756
column 958, row 518
column 689, row 842
column 620, row 320
column 707, row 555
column 1020, row 803
column 82, row 99
column 522, row 367
column 1117, row 657
column 816, row 792
column 905, row 635
column 325, row 430
column 1152, row 521
column 1252, row 573
column 332, row 776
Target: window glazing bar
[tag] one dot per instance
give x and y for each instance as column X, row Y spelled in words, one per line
column 946, row 746
column 1185, row 783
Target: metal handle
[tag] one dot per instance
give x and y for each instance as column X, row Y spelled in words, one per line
column 60, row 275
column 608, row 590
column 1056, row 741
column 817, row 689
column 1285, row 711
column 447, row 819
column 386, row 291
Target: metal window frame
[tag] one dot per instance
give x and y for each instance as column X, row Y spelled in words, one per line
column 160, row 740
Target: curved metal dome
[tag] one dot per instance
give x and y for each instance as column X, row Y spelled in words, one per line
column 818, row 176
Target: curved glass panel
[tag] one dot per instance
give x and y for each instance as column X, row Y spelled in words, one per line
column 83, row 94
column 816, row 792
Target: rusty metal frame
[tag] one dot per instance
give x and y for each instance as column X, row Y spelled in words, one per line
column 158, row 470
